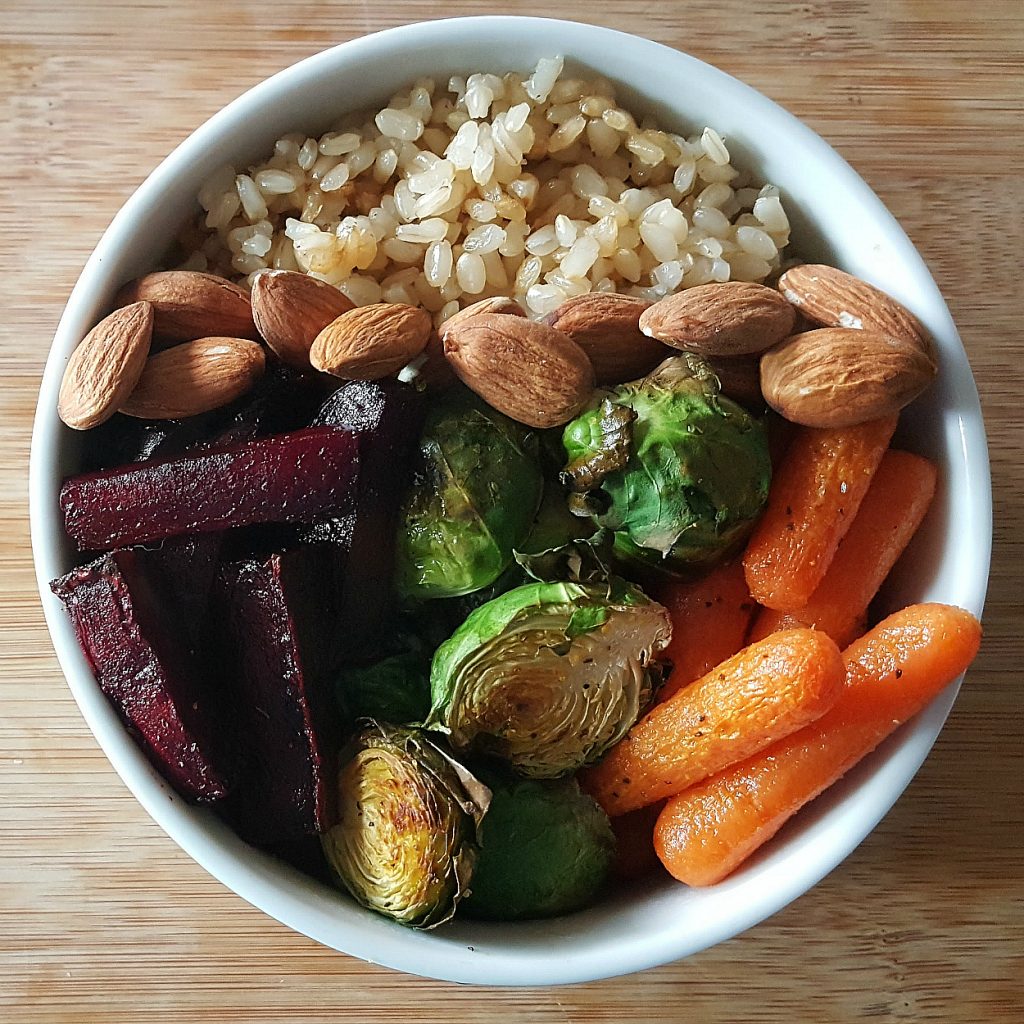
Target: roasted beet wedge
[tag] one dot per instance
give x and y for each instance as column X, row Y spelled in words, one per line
column 388, row 417
column 279, row 619
column 298, row 477
column 282, row 400
column 128, row 628
column 183, row 570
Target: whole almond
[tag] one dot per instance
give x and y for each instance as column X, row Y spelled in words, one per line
column 371, row 342
column 833, row 298
column 838, row 377
column 529, row 371
column 195, row 377
column 495, row 304
column 106, row 366
column 191, row 305
column 732, row 319
column 291, row 309
column 606, row 326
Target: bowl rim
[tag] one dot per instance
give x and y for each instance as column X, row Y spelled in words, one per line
column 258, row 879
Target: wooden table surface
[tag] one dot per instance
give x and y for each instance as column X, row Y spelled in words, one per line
column 105, row 920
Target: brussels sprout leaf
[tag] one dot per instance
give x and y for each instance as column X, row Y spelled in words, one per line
column 585, row 620
column 583, row 560
column 395, row 689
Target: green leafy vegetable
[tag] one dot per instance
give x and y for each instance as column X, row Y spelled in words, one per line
column 582, row 560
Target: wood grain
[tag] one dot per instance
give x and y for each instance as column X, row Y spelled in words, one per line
column 105, row 920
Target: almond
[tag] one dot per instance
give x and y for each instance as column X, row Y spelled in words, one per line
column 529, row 371
column 833, row 298
column 495, row 304
column 106, row 366
column 733, row 319
column 195, row 377
column 371, row 342
column 191, row 305
column 606, row 326
column 838, row 377
column 291, row 309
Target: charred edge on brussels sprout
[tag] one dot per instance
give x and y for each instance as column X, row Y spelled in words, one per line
column 609, row 450
column 697, row 477
column 407, row 839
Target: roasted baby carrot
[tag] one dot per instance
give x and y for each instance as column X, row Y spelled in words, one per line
column 710, row 619
column 892, row 672
column 896, row 502
column 814, row 496
column 756, row 697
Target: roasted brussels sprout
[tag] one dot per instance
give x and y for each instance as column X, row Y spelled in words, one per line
column 406, row 840
column 676, row 469
column 476, row 491
column 548, row 676
column 545, row 848
column 395, row 689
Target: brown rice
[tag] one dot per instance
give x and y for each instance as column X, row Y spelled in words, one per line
column 542, row 189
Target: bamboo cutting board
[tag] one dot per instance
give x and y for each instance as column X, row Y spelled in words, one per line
column 105, row 920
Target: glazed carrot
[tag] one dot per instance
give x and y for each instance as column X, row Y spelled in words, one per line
column 893, row 671
column 892, row 510
column 756, row 697
column 710, row 619
column 813, row 499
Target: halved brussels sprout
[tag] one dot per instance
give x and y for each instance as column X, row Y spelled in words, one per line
column 545, row 848
column 676, row 469
column 477, row 489
column 548, row 676
column 406, row 840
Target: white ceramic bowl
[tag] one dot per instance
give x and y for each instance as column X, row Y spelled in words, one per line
column 836, row 218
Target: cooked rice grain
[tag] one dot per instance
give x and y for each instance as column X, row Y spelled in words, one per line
column 540, row 187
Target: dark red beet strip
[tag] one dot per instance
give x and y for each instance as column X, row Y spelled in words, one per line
column 388, row 417
column 298, row 477
column 279, row 618
column 146, row 667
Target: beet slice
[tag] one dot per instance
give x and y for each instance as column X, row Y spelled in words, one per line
column 282, row 400
column 298, row 477
column 388, row 416
column 278, row 619
column 121, row 440
column 183, row 570
column 148, row 670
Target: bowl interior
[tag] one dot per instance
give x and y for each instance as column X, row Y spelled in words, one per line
column 835, row 217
